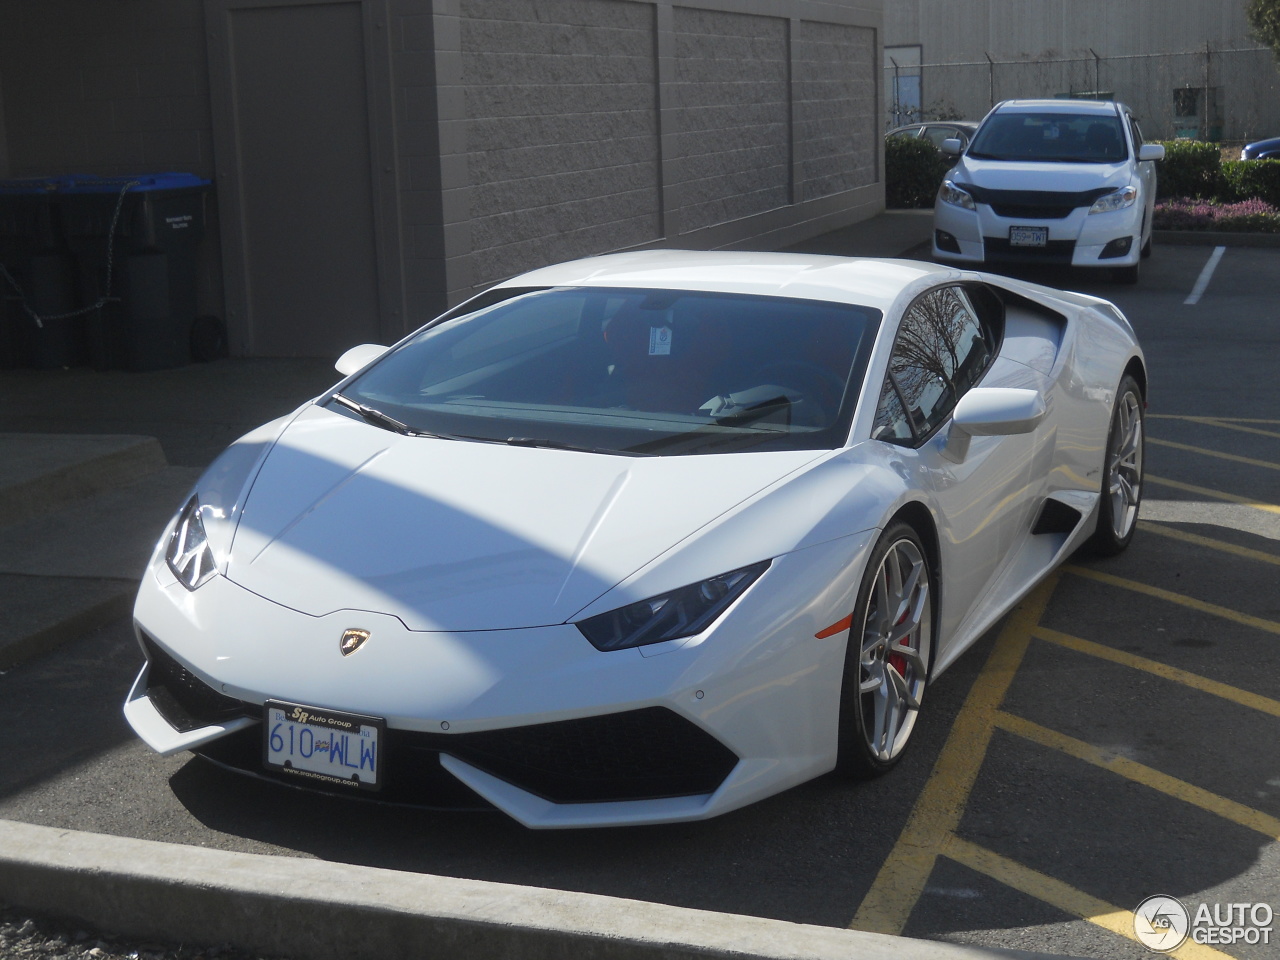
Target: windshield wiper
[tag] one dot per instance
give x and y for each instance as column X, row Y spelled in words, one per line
column 376, row 417
column 564, row 445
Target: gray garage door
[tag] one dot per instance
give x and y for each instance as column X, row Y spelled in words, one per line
column 298, row 195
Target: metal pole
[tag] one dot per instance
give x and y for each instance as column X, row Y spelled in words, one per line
column 1097, row 74
column 991, row 78
column 1204, row 115
column 897, row 109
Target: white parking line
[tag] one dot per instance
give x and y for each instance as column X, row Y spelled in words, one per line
column 1205, row 276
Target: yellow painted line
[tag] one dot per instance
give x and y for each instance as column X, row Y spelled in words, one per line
column 1225, row 613
column 1217, row 454
column 1148, row 526
column 1220, row 806
column 1244, row 698
column 1179, row 416
column 1228, row 425
column 1213, row 494
column 1062, row 895
column 937, row 812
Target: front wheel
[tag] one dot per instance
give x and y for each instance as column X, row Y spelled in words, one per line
column 1122, row 480
column 887, row 659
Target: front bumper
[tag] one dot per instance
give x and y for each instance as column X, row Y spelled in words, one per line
column 535, row 722
column 1079, row 239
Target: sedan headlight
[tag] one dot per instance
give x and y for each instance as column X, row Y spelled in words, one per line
column 670, row 616
column 188, row 553
column 956, row 196
column 1117, row 200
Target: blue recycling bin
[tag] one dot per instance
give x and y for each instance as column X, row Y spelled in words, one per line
column 135, row 240
column 38, row 278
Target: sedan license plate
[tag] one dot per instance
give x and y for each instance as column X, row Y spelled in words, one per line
column 1028, row 236
column 340, row 748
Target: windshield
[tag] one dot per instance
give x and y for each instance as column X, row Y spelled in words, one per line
column 627, row 371
column 1051, row 137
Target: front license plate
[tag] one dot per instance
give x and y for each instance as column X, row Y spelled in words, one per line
column 324, row 745
column 1028, row 236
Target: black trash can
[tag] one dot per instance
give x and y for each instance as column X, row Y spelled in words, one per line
column 142, row 271
column 38, row 279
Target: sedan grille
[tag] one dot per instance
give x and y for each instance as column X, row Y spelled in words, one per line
column 1035, row 204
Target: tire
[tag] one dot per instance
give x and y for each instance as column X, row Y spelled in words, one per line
column 884, row 677
column 1122, row 473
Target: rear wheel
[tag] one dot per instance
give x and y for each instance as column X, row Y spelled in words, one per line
column 887, row 658
column 1122, row 480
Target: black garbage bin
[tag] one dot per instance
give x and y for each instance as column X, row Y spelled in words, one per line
column 37, row 280
column 144, row 269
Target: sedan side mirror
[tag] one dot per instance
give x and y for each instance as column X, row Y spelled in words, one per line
column 357, row 358
column 1151, row 151
column 992, row 412
column 951, row 146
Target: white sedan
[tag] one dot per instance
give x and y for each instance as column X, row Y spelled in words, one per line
column 642, row 538
column 1065, row 182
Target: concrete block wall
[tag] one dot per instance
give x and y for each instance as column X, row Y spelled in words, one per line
column 562, row 130
column 524, row 131
column 578, row 127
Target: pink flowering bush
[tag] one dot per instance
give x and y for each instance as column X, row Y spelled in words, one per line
column 1180, row 213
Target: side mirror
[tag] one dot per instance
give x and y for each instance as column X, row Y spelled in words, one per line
column 1151, row 151
column 951, row 146
column 357, row 358
column 992, row 412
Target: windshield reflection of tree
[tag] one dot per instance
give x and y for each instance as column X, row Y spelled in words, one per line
column 928, row 367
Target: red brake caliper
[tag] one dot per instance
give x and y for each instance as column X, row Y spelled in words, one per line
column 897, row 660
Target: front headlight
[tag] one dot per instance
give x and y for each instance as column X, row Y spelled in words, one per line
column 188, row 553
column 1118, row 200
column 956, row 196
column 670, row 616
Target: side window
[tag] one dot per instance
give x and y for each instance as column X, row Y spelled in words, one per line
column 943, row 349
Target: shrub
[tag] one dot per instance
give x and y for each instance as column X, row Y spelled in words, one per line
column 1191, row 168
column 913, row 170
column 1252, row 216
column 1245, row 179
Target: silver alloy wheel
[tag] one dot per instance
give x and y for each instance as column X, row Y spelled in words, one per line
column 1124, row 466
column 896, row 637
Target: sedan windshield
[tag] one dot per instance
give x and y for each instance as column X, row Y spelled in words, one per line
column 1051, row 138
column 622, row 371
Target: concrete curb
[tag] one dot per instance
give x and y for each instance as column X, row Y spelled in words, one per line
column 1215, row 238
column 316, row 910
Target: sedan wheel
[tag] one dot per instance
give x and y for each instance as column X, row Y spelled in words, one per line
column 887, row 660
column 1122, row 485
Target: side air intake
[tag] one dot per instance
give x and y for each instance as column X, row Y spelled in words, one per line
column 1056, row 517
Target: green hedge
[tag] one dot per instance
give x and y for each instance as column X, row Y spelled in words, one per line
column 1246, row 179
column 913, row 170
column 1191, row 168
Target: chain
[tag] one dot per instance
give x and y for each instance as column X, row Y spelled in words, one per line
column 106, row 297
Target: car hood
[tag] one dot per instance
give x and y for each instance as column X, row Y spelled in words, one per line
column 1056, row 177
column 454, row 535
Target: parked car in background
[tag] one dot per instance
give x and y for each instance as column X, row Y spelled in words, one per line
column 1262, row 150
column 1050, row 182
column 937, row 131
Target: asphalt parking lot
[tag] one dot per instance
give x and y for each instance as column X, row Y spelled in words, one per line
column 1116, row 737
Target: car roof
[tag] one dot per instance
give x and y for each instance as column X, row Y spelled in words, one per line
column 1059, row 106
column 862, row 281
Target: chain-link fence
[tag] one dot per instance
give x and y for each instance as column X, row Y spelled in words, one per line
column 1230, row 95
